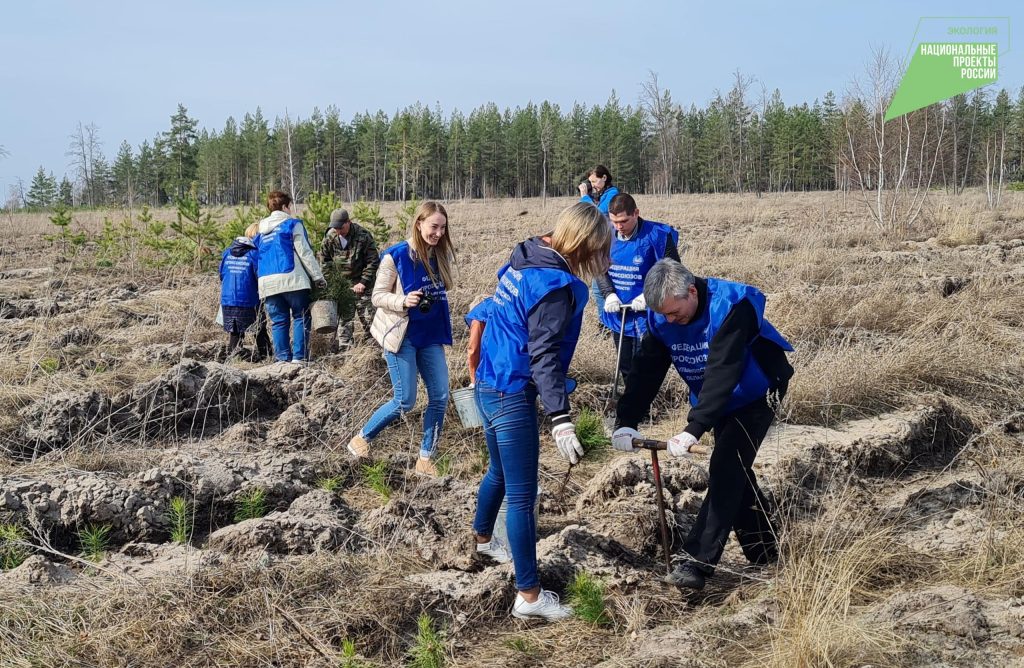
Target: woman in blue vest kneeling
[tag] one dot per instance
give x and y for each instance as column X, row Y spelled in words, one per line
column 531, row 334
column 413, row 324
column 287, row 272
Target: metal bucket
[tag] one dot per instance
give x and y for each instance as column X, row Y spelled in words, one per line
column 324, row 314
column 465, row 404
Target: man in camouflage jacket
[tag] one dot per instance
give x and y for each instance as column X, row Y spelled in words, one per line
column 351, row 248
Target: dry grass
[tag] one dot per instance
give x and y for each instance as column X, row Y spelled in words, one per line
column 873, row 332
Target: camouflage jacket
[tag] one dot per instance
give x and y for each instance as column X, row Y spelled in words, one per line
column 358, row 260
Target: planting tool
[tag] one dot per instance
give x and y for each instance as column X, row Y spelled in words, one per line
column 654, row 446
column 613, row 398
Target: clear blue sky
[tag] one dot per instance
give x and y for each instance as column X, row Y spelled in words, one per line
column 126, row 65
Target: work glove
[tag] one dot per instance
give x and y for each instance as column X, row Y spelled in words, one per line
column 639, row 304
column 565, row 440
column 680, row 444
column 612, row 303
column 321, row 283
column 623, row 437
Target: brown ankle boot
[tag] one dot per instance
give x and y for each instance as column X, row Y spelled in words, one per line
column 426, row 467
column 359, row 446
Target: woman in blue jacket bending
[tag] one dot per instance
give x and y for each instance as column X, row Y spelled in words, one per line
column 532, row 329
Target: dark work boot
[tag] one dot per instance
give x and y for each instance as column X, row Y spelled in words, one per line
column 688, row 576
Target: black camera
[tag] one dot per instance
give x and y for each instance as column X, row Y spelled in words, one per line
column 590, row 188
column 426, row 301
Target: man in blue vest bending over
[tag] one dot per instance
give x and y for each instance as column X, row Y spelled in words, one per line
column 636, row 246
column 734, row 361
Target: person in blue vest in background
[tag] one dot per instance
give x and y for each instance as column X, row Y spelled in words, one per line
column 413, row 324
column 734, row 362
column 288, row 270
column 636, row 246
column 532, row 329
column 239, row 294
column 597, row 189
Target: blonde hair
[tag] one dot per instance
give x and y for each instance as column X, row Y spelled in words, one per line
column 444, row 252
column 583, row 238
column 252, row 230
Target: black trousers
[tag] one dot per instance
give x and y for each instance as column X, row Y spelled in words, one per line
column 734, row 502
column 263, row 344
column 630, row 348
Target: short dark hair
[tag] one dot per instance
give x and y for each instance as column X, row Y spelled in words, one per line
column 601, row 171
column 278, row 200
column 622, row 203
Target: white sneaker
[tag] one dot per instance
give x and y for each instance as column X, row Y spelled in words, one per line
column 547, row 606
column 496, row 549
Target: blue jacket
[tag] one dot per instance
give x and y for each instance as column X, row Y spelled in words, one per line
column 238, row 274
column 603, row 200
column 631, row 259
column 435, row 326
column 689, row 344
column 480, row 312
column 534, row 325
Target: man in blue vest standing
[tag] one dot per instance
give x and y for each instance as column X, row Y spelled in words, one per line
column 636, row 246
column 734, row 362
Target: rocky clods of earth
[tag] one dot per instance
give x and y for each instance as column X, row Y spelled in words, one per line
column 192, row 398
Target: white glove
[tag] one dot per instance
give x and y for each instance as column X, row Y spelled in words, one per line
column 623, row 437
column 680, row 444
column 639, row 304
column 565, row 439
column 612, row 303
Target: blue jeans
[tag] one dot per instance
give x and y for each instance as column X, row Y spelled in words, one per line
column 284, row 309
column 510, row 428
column 402, row 366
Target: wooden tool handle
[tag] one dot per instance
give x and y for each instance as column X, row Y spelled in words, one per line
column 651, row 444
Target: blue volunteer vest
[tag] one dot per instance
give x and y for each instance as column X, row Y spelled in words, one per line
column 480, row 312
column 277, row 252
column 631, row 260
column 239, row 286
column 689, row 344
column 435, row 326
column 504, row 358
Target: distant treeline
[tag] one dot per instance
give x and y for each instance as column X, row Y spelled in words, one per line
column 734, row 144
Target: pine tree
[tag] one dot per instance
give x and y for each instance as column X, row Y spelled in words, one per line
column 125, row 176
column 66, row 193
column 182, row 151
column 42, row 194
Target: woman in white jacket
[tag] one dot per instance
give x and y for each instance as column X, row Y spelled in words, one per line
column 413, row 324
column 287, row 270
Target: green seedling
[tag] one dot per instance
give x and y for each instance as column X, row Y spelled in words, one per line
column 251, row 504
column 330, row 483
column 95, row 540
column 586, row 597
column 12, row 546
column 590, row 431
column 376, row 478
column 428, row 651
column 180, row 517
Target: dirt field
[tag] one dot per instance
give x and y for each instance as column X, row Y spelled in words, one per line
column 896, row 464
